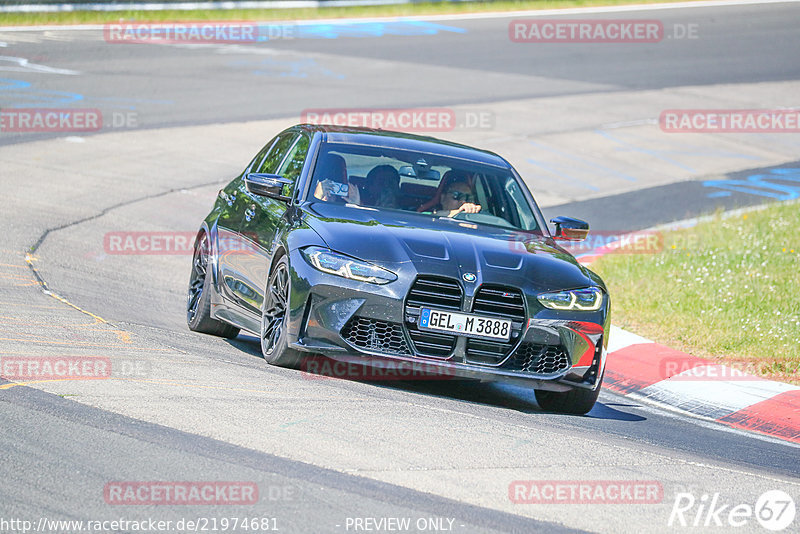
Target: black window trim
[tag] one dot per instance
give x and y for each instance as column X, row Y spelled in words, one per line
column 298, row 136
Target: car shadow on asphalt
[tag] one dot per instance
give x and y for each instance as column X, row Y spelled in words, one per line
column 495, row 394
column 607, row 411
column 246, row 343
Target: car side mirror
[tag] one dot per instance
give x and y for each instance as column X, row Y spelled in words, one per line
column 267, row 185
column 569, row 229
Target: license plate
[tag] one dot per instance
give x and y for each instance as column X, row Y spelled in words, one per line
column 464, row 324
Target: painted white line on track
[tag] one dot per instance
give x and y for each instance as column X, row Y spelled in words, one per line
column 714, row 398
column 665, row 410
column 619, row 339
column 466, row 16
column 21, row 64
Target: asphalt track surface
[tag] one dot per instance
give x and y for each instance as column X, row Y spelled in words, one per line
column 325, row 451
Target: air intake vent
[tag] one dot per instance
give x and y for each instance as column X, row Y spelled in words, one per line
column 499, row 301
column 377, row 336
column 439, row 293
column 436, row 293
column 496, row 301
column 539, row 359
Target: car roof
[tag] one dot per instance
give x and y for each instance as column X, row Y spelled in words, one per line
column 403, row 141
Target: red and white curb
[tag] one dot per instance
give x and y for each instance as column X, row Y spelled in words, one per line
column 644, row 369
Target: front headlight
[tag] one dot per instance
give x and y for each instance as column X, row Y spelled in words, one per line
column 331, row 262
column 589, row 299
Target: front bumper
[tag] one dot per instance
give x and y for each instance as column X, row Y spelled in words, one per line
column 357, row 322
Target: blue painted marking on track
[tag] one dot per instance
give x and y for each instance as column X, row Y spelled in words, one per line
column 760, row 185
column 668, row 153
column 570, row 179
column 586, row 162
column 659, row 154
column 312, row 30
column 407, row 28
column 303, row 68
column 130, row 103
column 22, row 94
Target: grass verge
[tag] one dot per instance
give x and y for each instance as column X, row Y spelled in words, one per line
column 400, row 10
column 727, row 290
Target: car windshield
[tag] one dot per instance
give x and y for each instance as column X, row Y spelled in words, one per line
column 447, row 188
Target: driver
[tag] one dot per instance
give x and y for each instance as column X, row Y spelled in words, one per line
column 457, row 198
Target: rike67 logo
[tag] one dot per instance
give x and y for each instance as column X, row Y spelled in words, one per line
column 774, row 510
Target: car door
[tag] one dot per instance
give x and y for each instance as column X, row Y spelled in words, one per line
column 264, row 217
column 234, row 203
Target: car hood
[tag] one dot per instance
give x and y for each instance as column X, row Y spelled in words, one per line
column 411, row 242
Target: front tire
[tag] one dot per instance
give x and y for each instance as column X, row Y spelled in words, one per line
column 198, row 304
column 275, row 318
column 575, row 402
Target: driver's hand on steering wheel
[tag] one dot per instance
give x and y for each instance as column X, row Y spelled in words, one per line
column 466, row 207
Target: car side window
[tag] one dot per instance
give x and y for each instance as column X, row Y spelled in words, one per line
column 256, row 162
column 293, row 164
column 483, row 196
column 277, row 153
column 519, row 208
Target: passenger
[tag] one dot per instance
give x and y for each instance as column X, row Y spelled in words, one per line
column 457, row 198
column 332, row 182
column 382, row 187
